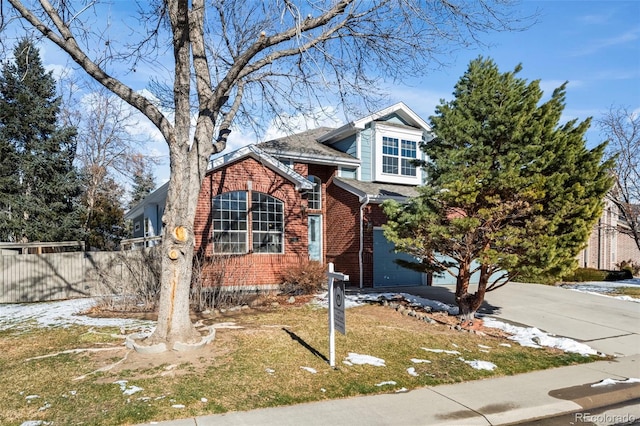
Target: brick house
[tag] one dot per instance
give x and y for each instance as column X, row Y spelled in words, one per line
column 608, row 243
column 313, row 195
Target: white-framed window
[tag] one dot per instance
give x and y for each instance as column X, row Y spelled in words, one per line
column 230, row 222
column 231, row 230
column 267, row 223
column 396, row 150
column 314, row 197
column 398, row 156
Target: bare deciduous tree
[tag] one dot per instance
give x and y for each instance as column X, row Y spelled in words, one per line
column 237, row 59
column 622, row 127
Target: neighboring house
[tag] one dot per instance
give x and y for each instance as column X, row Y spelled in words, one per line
column 146, row 218
column 608, row 245
column 313, row 195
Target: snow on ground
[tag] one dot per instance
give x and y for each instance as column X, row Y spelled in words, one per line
column 358, row 359
column 610, row 382
column 603, row 288
column 534, row 338
column 480, row 365
column 60, row 314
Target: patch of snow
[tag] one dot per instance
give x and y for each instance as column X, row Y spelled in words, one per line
column 481, row 365
column 204, row 400
column 34, row 423
column 603, row 288
column 45, row 407
column 402, row 390
column 610, row 382
column 345, row 362
column 441, row 351
column 177, row 406
column 310, row 370
column 31, row 397
column 127, row 390
column 484, row 346
column 534, row 338
column 412, row 372
column 350, row 301
column 506, row 345
column 420, row 361
column 60, row 313
column 359, row 359
column 387, row 383
column 270, row 370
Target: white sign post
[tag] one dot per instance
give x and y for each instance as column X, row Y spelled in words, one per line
column 336, row 303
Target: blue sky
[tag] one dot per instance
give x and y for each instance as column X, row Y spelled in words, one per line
column 594, row 45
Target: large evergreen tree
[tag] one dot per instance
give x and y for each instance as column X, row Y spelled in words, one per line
column 143, row 180
column 510, row 191
column 41, row 179
column 104, row 215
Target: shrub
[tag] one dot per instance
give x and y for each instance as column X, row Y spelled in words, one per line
column 629, row 265
column 618, row 275
column 209, row 289
column 130, row 280
column 586, row 274
column 304, row 278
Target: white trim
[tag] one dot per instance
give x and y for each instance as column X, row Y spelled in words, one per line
column 350, row 128
column 301, row 183
column 382, row 130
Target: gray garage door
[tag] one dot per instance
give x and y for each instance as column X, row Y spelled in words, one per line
column 385, row 271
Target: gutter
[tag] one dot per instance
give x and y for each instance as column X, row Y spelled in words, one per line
column 364, row 200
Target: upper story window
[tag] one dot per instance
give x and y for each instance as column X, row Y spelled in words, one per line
column 395, row 150
column 231, row 230
column 314, row 197
column 398, row 155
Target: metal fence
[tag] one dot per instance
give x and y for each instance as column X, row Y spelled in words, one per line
column 53, row 276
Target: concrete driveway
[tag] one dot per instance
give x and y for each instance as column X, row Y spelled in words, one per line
column 606, row 324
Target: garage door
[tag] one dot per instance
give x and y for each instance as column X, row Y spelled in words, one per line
column 386, row 272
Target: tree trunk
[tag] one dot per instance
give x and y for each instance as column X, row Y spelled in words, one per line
column 469, row 303
column 177, row 250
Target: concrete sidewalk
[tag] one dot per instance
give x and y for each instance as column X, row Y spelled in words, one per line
column 608, row 325
column 503, row 400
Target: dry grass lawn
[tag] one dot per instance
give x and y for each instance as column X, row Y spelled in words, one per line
column 254, row 362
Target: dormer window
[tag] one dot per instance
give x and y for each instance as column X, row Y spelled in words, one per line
column 398, row 156
column 396, row 151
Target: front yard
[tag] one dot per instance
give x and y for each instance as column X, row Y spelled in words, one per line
column 262, row 357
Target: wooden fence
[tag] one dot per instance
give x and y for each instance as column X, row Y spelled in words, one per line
column 53, row 276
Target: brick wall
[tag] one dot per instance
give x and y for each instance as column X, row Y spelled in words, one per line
column 250, row 269
column 343, row 232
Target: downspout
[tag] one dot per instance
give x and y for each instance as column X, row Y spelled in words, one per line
column 364, row 200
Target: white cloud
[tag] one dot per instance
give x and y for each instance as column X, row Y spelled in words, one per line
column 595, row 46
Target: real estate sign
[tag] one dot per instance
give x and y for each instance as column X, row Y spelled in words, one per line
column 336, row 309
column 338, row 303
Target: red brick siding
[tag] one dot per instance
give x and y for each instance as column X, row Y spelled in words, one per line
column 343, row 232
column 251, row 269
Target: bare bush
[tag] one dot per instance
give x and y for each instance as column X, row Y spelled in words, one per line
column 304, row 278
column 629, row 265
column 131, row 281
column 219, row 282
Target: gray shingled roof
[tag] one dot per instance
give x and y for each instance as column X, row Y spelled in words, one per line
column 305, row 145
column 377, row 190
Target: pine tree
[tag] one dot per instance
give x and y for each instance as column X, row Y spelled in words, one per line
column 45, row 188
column 509, row 191
column 104, row 221
column 143, row 181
